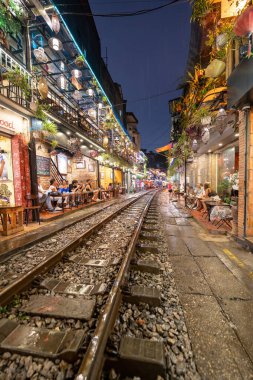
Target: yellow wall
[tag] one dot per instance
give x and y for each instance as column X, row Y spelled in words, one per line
column 117, row 176
column 105, row 176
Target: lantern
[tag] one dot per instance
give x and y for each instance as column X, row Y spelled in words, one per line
column 62, row 66
column 56, row 26
column 221, row 40
column 75, row 83
column 55, row 43
column 92, row 113
column 244, row 23
column 100, row 106
column 76, row 73
column 205, row 135
column 105, row 141
column 62, row 82
column 90, row 92
column 215, row 69
column 77, row 95
column 195, row 146
column 40, row 55
column 43, row 88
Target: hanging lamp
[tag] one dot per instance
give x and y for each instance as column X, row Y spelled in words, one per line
column 56, row 26
column 55, row 43
column 43, row 87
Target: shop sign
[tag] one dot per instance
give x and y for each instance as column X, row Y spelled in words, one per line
column 12, row 122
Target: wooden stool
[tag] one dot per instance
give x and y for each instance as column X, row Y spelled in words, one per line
column 9, row 219
column 32, row 204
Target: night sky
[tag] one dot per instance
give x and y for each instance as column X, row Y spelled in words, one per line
column 147, row 55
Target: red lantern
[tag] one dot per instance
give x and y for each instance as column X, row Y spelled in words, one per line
column 244, row 23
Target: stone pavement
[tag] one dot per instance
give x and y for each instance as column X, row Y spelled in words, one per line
column 214, row 278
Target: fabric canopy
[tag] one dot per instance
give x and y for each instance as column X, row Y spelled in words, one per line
column 164, row 148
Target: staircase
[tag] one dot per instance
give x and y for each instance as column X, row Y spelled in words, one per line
column 55, row 173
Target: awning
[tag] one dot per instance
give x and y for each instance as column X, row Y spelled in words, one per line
column 164, row 148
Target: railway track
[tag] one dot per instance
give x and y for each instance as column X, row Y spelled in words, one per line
column 53, row 313
column 20, row 268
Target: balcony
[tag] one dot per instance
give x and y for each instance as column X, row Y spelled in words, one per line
column 59, row 108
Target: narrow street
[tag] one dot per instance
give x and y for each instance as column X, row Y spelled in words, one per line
column 213, row 275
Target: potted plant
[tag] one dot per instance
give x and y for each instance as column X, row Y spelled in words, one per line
column 16, row 78
column 79, row 61
column 202, row 116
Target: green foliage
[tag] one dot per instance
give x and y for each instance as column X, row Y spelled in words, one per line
column 54, row 143
column 200, row 8
column 50, row 127
column 223, row 188
column 79, row 61
column 199, row 114
column 3, row 309
column 20, row 80
column 11, row 16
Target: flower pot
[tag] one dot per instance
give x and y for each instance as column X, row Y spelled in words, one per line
column 215, row 69
column 206, row 120
column 79, row 62
column 221, row 40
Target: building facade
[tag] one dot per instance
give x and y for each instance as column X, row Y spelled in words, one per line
column 61, row 114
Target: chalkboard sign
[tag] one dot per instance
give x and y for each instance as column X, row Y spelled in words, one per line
column 43, row 165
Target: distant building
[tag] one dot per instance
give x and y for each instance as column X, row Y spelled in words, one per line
column 132, row 123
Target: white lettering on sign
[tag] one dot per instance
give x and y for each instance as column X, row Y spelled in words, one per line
column 6, row 124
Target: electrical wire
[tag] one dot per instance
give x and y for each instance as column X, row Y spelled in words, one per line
column 122, row 14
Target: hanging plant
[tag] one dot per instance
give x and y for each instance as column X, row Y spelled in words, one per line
column 202, row 116
column 79, row 61
column 54, row 143
column 215, row 68
column 11, row 17
column 200, row 9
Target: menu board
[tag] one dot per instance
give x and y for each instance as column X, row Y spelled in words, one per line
column 43, row 165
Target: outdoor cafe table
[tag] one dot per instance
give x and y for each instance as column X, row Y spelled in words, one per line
column 11, row 223
column 211, row 204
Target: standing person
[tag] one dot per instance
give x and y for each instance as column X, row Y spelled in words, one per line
column 3, row 166
column 170, row 189
column 43, row 196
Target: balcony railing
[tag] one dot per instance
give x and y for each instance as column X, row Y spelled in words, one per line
column 58, row 107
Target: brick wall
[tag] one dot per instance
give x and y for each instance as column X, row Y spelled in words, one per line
column 242, row 144
column 250, row 178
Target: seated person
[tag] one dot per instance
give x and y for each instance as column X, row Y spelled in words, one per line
column 55, row 194
column 64, row 190
column 88, row 188
column 207, row 194
column 43, row 196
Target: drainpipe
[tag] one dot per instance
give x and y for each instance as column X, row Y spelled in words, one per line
column 246, row 110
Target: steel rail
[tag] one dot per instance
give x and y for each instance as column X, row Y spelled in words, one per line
column 20, row 284
column 4, row 257
column 93, row 361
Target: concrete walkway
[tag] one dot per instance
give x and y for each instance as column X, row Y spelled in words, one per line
column 214, row 278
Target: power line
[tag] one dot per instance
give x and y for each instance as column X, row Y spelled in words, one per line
column 121, row 14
